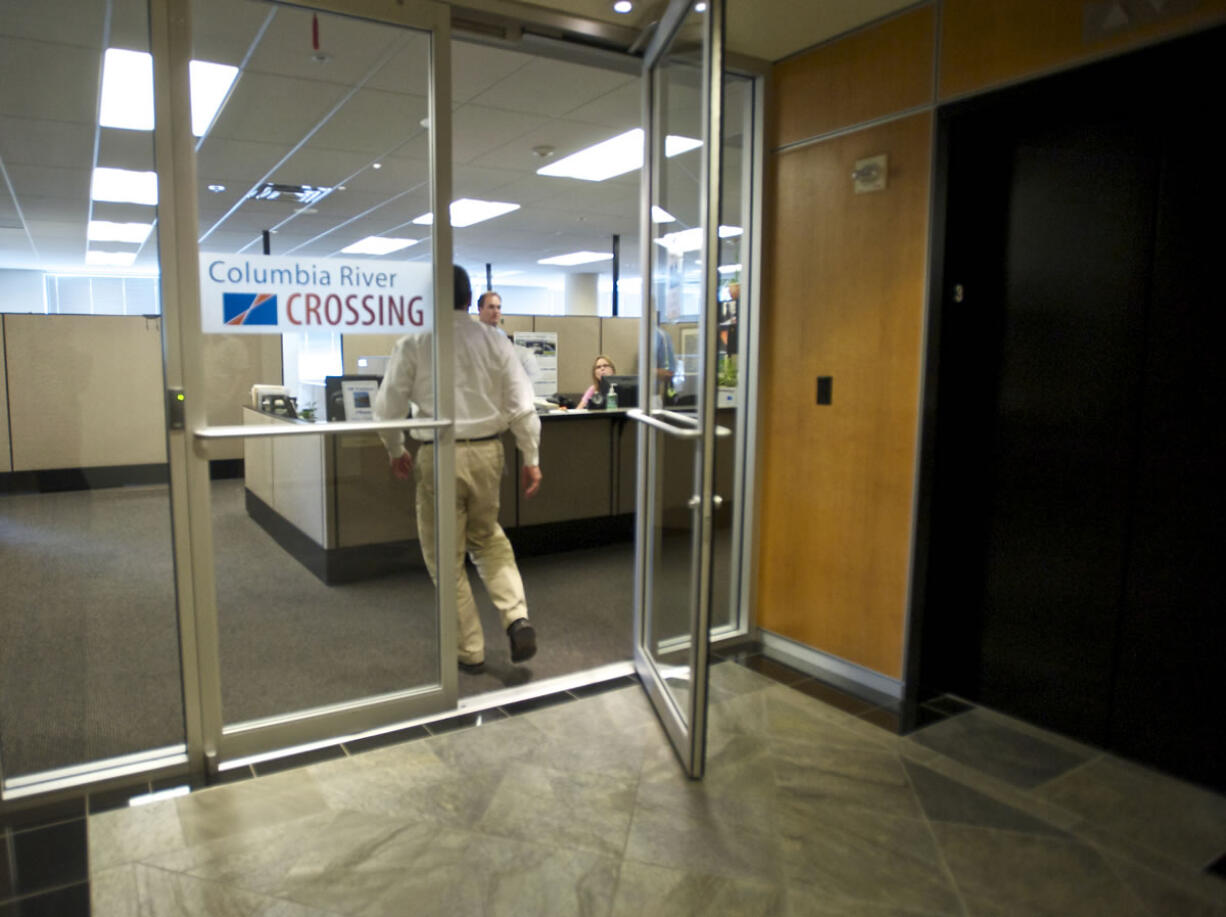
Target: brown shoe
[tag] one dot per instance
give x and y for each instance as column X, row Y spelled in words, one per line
column 523, row 640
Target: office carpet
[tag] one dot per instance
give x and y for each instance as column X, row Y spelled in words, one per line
column 89, row 658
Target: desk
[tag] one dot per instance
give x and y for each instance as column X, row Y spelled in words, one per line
column 333, row 503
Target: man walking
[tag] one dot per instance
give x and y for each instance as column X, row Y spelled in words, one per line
column 492, row 394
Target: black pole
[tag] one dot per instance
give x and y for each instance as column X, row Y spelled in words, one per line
column 267, row 242
column 489, row 276
column 617, row 258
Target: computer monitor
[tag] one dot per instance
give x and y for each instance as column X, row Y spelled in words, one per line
column 627, row 390
column 334, row 395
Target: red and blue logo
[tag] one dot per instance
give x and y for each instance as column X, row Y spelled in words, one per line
column 249, row 308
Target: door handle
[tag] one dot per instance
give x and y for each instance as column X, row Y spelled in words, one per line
column 681, row 433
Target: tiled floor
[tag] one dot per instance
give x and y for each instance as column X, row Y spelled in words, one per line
column 809, row 807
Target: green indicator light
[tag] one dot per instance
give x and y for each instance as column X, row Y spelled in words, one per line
column 179, row 396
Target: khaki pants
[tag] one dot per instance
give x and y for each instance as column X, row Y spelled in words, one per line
column 478, row 468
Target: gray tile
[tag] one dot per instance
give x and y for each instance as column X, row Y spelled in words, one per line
column 141, row 890
column 945, row 799
column 729, row 679
column 487, row 746
column 852, row 854
column 572, row 810
column 991, row 746
column 696, row 839
column 804, row 900
column 130, row 835
column 1006, row 793
column 1192, row 896
column 1006, row 873
column 738, row 787
column 860, row 775
column 232, row 809
column 1176, row 819
column 654, row 891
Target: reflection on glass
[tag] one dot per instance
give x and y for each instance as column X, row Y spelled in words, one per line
column 675, row 365
column 735, row 208
column 89, row 648
column 317, row 153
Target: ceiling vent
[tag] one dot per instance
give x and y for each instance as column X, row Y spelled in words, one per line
column 290, row 194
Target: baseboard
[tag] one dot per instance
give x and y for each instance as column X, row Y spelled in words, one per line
column 53, row 480
column 853, row 678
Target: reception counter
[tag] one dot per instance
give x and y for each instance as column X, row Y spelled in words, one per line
column 333, row 503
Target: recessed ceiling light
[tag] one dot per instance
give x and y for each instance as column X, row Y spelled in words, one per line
column 210, row 85
column 623, row 6
column 378, row 245
column 690, row 240
column 127, row 90
column 110, row 259
column 615, row 156
column 105, row 231
column 467, row 211
column 217, row 189
column 124, row 186
column 700, row 7
column 577, row 258
column 376, row 165
column 126, row 100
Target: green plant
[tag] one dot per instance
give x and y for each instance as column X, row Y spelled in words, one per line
column 727, row 371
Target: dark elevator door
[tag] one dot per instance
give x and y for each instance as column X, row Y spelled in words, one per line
column 1076, row 434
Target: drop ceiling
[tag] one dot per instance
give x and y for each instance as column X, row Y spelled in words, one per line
column 351, row 115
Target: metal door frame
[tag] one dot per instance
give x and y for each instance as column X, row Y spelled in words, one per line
column 210, row 743
column 686, row 728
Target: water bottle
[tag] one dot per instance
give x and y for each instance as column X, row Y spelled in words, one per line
column 611, row 402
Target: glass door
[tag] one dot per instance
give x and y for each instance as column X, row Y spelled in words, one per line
column 683, row 94
column 309, row 190
column 90, row 681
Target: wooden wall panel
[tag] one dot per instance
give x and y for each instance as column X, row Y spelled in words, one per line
column 845, row 298
column 986, row 44
column 879, row 71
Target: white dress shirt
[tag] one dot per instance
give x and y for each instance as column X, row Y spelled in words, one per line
column 492, row 391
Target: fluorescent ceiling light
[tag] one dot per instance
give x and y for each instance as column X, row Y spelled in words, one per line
column 467, row 211
column 210, row 85
column 660, row 215
column 124, row 186
column 690, row 240
column 110, row 259
column 104, row 231
column 378, row 245
column 127, row 91
column 577, row 258
column 615, row 156
column 729, row 268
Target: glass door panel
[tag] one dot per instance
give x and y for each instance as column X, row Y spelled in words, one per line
column 681, row 115
column 314, row 202
column 89, row 634
column 732, row 347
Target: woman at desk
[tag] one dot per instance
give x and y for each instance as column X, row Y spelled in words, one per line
column 602, row 367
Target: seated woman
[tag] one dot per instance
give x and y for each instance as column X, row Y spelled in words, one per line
column 602, row 367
